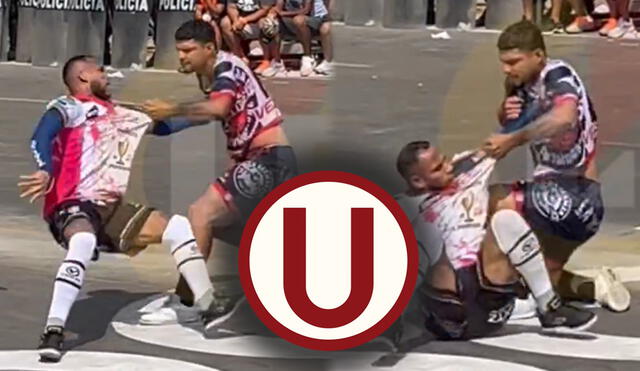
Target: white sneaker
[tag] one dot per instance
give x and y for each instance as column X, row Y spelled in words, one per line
column 610, row 292
column 274, row 69
column 524, row 308
column 306, row 67
column 632, row 35
column 621, row 29
column 173, row 312
column 324, row 68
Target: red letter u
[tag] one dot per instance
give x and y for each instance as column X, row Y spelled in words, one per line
column 295, row 271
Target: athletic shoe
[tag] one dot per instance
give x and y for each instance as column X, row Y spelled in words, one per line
column 621, row 29
column 50, row 348
column 524, row 308
column 632, row 35
column 306, row 67
column 274, row 69
column 263, row 66
column 171, row 313
column 610, row 291
column 221, row 309
column 324, row 68
column 565, row 319
column 610, row 25
column 552, row 28
column 581, row 24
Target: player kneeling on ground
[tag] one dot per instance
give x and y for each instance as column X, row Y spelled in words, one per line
column 474, row 274
column 84, row 147
column 547, row 106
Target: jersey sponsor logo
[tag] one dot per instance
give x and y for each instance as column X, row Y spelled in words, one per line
column 467, row 205
column 501, row 315
column 93, row 112
column 123, row 147
column 551, row 201
column 252, row 179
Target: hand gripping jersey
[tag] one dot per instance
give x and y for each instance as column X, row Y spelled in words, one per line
column 454, row 219
column 93, row 153
column 253, row 110
column 569, row 152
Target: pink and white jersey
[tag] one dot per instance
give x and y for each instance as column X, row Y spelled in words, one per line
column 253, row 110
column 453, row 220
column 93, row 153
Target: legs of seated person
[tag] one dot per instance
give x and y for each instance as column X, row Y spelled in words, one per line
column 327, row 41
column 303, row 33
column 231, row 38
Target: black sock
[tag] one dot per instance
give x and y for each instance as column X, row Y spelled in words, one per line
column 575, row 287
column 184, row 292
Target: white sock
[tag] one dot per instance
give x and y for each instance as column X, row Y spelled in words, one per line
column 70, row 277
column 516, row 239
column 191, row 264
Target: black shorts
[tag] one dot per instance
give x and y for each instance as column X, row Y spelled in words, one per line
column 562, row 206
column 288, row 28
column 247, row 182
column 477, row 309
column 116, row 224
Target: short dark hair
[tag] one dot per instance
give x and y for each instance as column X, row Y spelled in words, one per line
column 68, row 66
column 523, row 35
column 196, row 30
column 408, row 156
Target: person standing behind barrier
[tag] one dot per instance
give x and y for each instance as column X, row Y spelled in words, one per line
column 212, row 11
column 619, row 24
column 582, row 23
column 245, row 21
column 305, row 19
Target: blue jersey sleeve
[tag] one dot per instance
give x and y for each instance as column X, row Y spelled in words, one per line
column 42, row 140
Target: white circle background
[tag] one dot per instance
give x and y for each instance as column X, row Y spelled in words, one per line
column 328, row 245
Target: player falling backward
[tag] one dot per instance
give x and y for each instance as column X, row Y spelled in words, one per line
column 474, row 258
column 84, row 146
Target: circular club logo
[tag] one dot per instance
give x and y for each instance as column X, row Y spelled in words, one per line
column 328, row 260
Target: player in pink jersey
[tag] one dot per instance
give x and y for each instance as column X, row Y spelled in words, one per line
column 84, row 147
column 261, row 157
column 473, row 260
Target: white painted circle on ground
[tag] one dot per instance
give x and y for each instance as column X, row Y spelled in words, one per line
column 597, row 346
column 428, row 362
column 179, row 337
column 93, row 361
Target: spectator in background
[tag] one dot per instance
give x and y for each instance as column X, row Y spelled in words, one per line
column 212, row 11
column 582, row 23
column 619, row 24
column 244, row 22
column 305, row 19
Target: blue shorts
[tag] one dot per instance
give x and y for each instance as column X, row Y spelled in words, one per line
column 562, row 206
